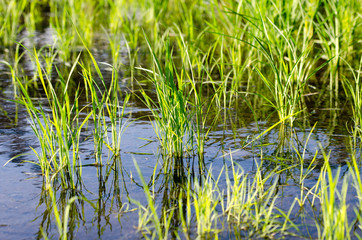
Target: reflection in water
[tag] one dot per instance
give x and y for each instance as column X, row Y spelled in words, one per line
column 56, row 201
column 78, row 203
column 174, row 187
column 99, row 198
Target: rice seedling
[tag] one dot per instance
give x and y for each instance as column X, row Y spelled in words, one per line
column 14, row 72
column 336, row 28
column 310, row 10
column 283, row 45
column 148, row 215
column 206, row 198
column 58, row 132
column 182, row 109
column 173, row 127
column 74, row 23
column 113, row 111
column 64, row 37
column 334, row 222
column 250, row 205
column 97, row 99
column 354, row 93
column 116, row 115
column 10, row 20
column 200, row 107
column 305, row 172
column 104, row 99
column 290, row 74
column 221, row 67
column 33, row 16
column 354, row 166
column 125, row 20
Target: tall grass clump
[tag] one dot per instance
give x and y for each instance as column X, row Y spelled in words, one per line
column 105, row 104
column 206, row 199
column 74, row 24
column 57, row 125
column 355, row 169
column 334, row 218
column 247, row 207
column 11, row 24
column 114, row 111
column 336, row 28
column 290, row 70
column 353, row 90
column 251, row 205
column 171, row 113
column 180, row 111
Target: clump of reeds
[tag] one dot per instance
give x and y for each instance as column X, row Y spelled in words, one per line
column 171, row 112
column 10, row 20
column 354, row 93
column 179, row 110
column 59, row 130
column 247, row 206
column 334, row 222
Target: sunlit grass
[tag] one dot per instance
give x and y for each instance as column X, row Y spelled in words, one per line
column 191, row 63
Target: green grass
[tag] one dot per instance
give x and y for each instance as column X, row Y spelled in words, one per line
column 247, row 205
column 171, row 113
column 354, row 93
column 334, row 222
column 11, row 12
column 59, row 130
column 195, row 65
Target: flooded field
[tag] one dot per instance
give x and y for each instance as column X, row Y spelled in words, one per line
column 180, row 119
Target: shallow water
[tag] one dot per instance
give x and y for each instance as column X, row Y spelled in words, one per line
column 23, row 212
column 22, row 201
